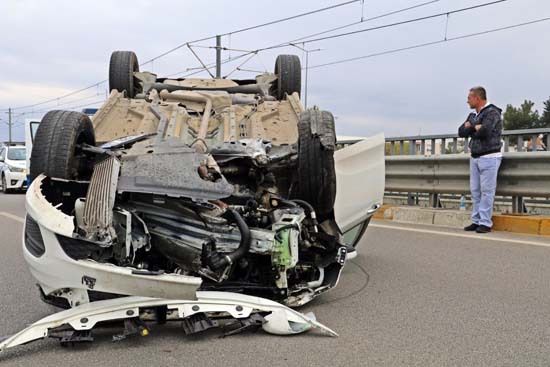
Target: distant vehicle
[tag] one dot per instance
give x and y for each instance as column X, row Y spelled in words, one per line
column 13, row 167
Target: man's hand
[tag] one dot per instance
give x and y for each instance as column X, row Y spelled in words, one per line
column 467, row 124
column 477, row 127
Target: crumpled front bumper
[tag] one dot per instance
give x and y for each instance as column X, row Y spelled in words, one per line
column 54, row 270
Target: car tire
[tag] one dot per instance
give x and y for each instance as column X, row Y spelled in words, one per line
column 289, row 76
column 56, row 151
column 122, row 66
column 316, row 175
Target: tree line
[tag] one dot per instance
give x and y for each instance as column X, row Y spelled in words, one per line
column 525, row 117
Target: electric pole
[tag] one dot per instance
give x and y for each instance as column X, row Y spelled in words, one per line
column 9, row 124
column 218, row 57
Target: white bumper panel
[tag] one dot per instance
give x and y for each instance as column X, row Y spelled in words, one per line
column 20, row 177
column 55, row 270
column 281, row 320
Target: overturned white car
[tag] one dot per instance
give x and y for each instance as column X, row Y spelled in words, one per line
column 193, row 199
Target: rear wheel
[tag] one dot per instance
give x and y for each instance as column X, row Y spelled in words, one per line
column 289, row 76
column 57, row 149
column 122, row 67
column 316, row 176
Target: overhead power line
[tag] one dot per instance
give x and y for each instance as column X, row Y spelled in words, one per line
column 297, row 40
column 303, row 40
column 363, row 20
column 308, row 39
column 345, row 3
column 448, row 39
column 60, row 97
column 252, row 27
column 408, row 21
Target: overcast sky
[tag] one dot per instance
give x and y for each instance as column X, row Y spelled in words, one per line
column 50, row 48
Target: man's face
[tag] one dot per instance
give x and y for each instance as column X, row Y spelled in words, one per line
column 473, row 100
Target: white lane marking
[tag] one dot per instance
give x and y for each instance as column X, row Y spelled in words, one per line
column 451, row 234
column 14, row 217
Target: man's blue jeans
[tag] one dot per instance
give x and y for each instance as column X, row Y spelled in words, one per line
column 483, row 185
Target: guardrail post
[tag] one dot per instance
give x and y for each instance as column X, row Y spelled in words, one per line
column 423, row 147
column 392, row 148
column 401, row 147
column 410, row 199
column 455, row 145
column 518, row 205
column 520, row 144
column 534, row 143
column 434, row 201
column 443, row 149
column 466, row 145
column 433, row 147
column 506, row 144
column 412, row 147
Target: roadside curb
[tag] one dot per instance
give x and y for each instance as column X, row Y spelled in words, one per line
column 523, row 224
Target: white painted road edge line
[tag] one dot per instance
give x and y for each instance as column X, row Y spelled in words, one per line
column 484, row 237
column 14, row 217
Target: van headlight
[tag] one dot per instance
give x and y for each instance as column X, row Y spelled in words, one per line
column 15, row 169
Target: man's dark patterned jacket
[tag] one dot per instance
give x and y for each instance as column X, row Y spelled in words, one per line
column 487, row 139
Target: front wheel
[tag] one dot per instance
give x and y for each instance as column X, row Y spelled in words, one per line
column 316, row 175
column 57, row 146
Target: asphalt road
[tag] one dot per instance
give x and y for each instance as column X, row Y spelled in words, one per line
column 411, row 298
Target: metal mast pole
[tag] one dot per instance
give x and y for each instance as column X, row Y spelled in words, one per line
column 9, row 124
column 218, row 57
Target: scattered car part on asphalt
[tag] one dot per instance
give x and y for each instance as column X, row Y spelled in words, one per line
column 75, row 324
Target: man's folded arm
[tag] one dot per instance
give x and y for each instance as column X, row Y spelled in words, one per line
column 466, row 132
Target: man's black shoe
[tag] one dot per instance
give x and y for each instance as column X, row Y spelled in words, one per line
column 472, row 227
column 483, row 229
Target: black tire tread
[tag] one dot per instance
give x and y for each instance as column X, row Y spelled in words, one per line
column 122, row 66
column 316, row 173
column 55, row 143
column 289, row 75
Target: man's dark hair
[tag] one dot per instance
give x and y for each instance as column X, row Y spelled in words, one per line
column 480, row 92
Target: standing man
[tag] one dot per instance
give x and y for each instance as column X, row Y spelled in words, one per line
column 484, row 128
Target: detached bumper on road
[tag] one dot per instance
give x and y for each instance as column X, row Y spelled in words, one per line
column 280, row 319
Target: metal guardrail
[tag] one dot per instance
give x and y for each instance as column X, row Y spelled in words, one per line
column 521, row 174
column 513, row 140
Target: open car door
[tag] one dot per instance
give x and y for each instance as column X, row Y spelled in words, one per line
column 360, row 179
